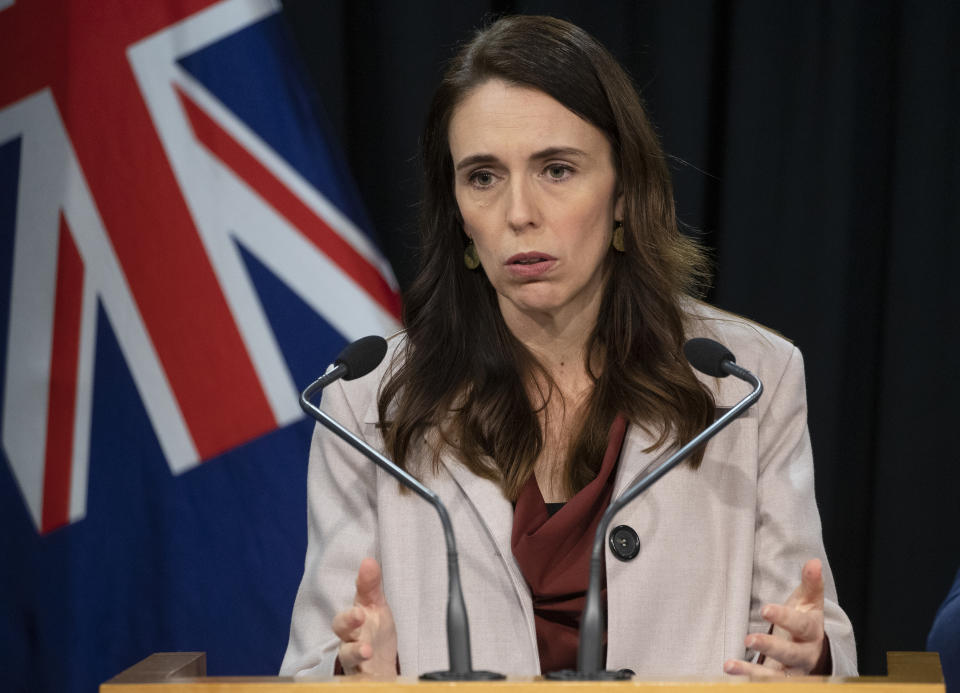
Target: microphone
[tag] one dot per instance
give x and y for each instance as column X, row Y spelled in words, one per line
column 708, row 357
column 356, row 360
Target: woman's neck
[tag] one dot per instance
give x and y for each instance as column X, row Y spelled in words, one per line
column 558, row 341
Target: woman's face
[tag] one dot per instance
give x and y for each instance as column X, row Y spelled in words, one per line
column 536, row 187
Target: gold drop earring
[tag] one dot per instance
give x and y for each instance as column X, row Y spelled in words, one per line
column 617, row 240
column 470, row 257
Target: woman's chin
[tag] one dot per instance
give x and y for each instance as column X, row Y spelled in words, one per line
column 528, row 298
column 534, row 305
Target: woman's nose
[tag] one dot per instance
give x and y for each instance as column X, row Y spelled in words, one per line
column 522, row 211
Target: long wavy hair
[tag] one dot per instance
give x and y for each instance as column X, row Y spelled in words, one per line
column 460, row 371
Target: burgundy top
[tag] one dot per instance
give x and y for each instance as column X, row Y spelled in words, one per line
column 553, row 552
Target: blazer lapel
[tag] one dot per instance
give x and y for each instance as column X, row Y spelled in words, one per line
column 635, row 461
column 488, row 503
column 496, row 515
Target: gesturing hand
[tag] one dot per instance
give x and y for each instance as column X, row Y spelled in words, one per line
column 797, row 645
column 366, row 630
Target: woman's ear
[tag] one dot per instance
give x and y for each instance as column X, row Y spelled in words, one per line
column 618, row 207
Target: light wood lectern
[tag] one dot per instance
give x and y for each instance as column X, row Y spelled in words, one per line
column 185, row 672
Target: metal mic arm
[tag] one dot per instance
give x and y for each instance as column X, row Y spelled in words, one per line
column 360, row 445
column 592, row 621
column 458, row 631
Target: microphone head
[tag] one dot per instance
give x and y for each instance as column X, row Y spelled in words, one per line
column 707, row 356
column 362, row 356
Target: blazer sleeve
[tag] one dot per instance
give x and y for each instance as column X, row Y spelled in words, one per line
column 788, row 530
column 341, row 532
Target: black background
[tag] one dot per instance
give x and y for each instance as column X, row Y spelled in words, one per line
column 815, row 147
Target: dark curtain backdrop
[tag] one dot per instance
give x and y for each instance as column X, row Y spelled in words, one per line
column 815, row 147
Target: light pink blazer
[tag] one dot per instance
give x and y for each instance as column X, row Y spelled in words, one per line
column 715, row 544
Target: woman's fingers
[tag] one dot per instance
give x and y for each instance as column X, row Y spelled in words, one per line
column 803, row 626
column 368, row 635
column 810, row 592
column 738, row 667
column 353, row 654
column 797, row 640
column 346, row 624
column 789, row 654
column 369, row 584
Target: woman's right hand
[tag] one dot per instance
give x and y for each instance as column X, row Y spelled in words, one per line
column 368, row 636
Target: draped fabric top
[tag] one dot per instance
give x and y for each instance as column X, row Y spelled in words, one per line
column 553, row 553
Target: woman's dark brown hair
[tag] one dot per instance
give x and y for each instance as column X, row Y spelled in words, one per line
column 460, row 369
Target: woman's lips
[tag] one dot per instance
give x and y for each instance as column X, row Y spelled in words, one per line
column 526, row 265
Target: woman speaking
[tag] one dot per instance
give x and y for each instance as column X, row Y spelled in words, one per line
column 541, row 373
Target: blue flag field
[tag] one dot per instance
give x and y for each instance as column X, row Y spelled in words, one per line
column 181, row 251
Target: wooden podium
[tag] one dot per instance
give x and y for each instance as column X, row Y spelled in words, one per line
column 185, row 672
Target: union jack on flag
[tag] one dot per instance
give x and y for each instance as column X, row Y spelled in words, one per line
column 181, row 251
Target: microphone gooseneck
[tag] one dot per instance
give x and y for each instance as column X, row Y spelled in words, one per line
column 356, row 360
column 708, row 357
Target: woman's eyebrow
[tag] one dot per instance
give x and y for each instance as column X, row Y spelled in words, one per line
column 551, row 152
column 547, row 153
column 474, row 159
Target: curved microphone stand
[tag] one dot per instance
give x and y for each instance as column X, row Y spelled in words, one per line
column 593, row 621
column 458, row 631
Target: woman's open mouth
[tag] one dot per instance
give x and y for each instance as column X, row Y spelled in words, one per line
column 529, row 264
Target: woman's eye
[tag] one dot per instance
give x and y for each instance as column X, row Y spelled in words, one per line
column 558, row 171
column 481, row 179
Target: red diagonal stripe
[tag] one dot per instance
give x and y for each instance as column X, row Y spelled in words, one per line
column 79, row 50
column 164, row 261
column 291, row 207
column 64, row 359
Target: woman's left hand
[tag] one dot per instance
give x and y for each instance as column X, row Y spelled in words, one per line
column 797, row 645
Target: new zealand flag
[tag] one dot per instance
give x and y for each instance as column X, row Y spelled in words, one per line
column 181, row 251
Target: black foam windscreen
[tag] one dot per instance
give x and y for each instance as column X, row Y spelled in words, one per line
column 362, row 356
column 707, row 356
